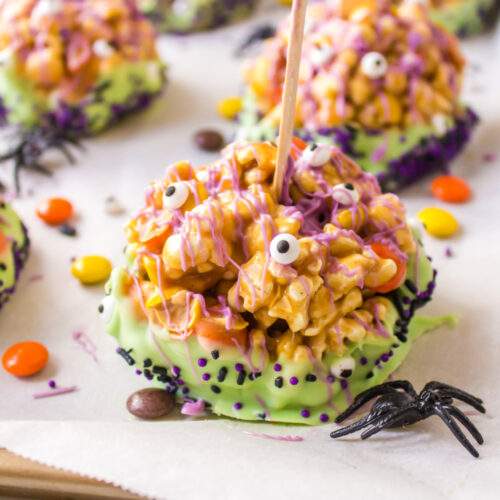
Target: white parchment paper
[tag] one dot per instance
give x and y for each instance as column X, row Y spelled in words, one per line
column 91, row 433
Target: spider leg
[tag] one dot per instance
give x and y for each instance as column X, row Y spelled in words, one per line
column 455, row 429
column 384, row 422
column 37, row 167
column 466, row 422
column 356, row 426
column 453, row 391
column 17, row 180
column 466, row 399
column 66, row 152
column 373, row 392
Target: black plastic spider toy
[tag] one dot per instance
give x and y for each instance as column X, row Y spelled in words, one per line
column 31, row 144
column 400, row 405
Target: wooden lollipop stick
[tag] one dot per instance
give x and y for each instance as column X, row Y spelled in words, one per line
column 288, row 101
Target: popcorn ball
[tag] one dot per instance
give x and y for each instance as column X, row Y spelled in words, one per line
column 184, row 16
column 14, row 247
column 262, row 308
column 75, row 66
column 380, row 81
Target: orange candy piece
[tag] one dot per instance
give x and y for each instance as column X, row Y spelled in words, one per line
column 451, row 189
column 385, row 252
column 55, row 211
column 25, row 358
column 3, row 241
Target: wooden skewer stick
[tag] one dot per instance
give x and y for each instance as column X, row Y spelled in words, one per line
column 288, row 101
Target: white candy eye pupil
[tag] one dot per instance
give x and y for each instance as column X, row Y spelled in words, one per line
column 345, row 194
column 374, row 65
column 175, row 195
column 316, row 155
column 284, row 248
column 344, row 367
column 106, row 308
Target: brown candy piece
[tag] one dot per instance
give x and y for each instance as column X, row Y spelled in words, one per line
column 150, row 403
column 209, row 140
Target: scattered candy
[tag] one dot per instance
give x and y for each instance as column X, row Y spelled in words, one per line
column 55, row 211
column 438, row 222
column 449, row 252
column 451, row 189
column 91, row 269
column 113, row 207
column 230, row 107
column 67, row 230
column 193, row 409
column 55, row 392
column 150, row 403
column 25, row 358
column 84, row 341
column 209, row 140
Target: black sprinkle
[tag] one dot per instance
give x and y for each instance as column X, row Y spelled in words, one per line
column 215, row 388
column 185, row 390
column 3, row 267
column 126, row 356
column 395, row 346
column 369, row 375
column 221, row 376
column 100, row 308
column 148, row 374
column 241, row 377
column 251, row 376
column 401, row 337
column 411, row 286
column 262, row 416
column 278, row 382
column 310, row 377
column 67, row 230
column 215, row 354
column 147, row 363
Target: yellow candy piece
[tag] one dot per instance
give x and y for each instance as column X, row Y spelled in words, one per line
column 438, row 222
column 230, row 107
column 91, row 269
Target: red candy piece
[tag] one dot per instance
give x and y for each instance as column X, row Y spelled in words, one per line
column 25, row 358
column 55, row 211
column 451, row 189
column 385, row 252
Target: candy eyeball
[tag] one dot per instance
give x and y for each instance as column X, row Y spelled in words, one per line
column 317, row 155
column 102, row 48
column 345, row 194
column 175, row 195
column 107, row 308
column 374, row 65
column 343, row 367
column 284, row 248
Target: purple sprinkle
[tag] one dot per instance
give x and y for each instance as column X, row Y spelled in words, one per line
column 238, row 406
column 277, row 367
column 330, row 379
column 185, row 390
column 138, row 372
column 202, row 362
column 180, row 382
column 176, row 371
column 344, row 383
column 239, row 367
column 305, row 413
column 448, row 252
column 324, row 417
column 52, row 384
column 385, row 357
column 489, row 157
column 363, row 361
column 206, row 376
column 294, row 380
